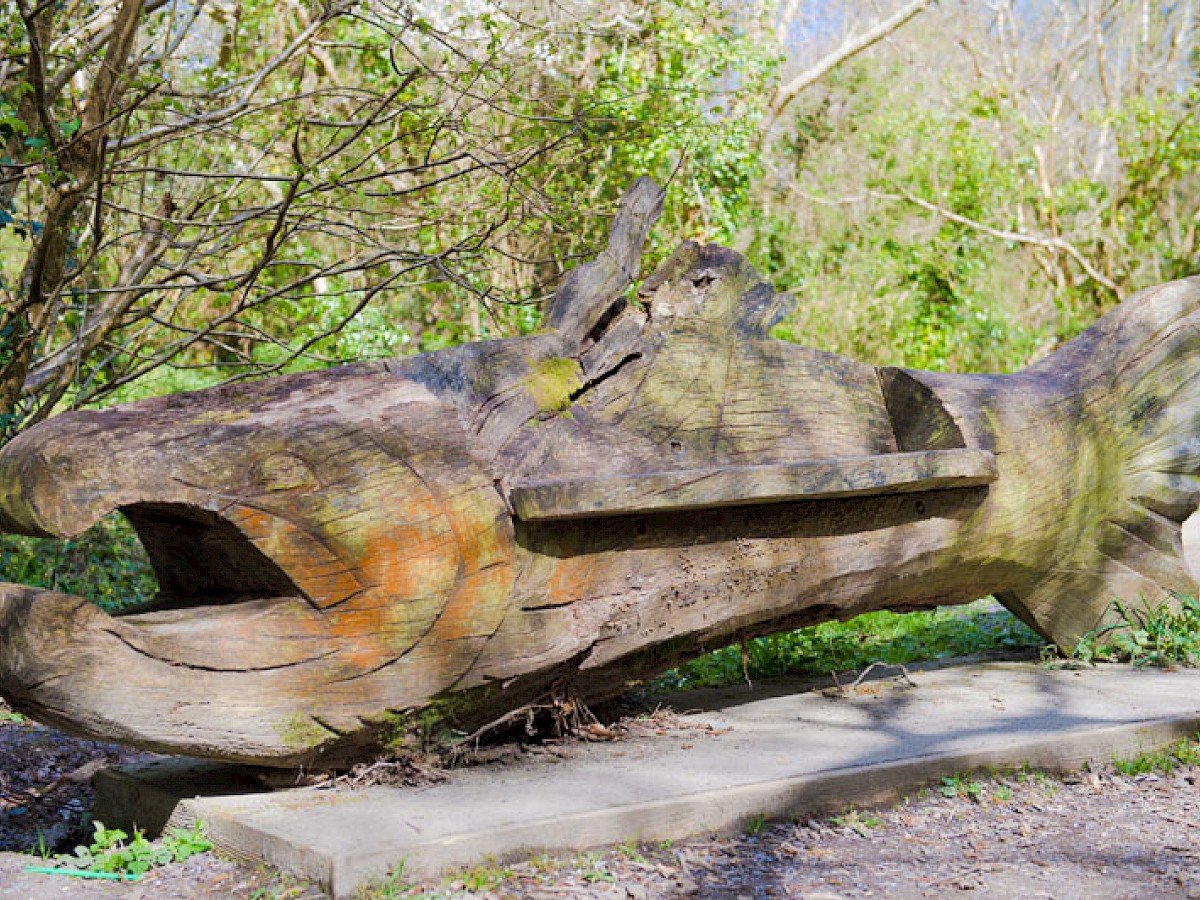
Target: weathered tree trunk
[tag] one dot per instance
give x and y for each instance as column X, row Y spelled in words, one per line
column 459, row 530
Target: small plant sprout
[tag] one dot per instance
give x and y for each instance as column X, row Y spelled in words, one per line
column 858, row 822
column 631, row 851
column 756, row 825
column 959, row 786
column 592, row 869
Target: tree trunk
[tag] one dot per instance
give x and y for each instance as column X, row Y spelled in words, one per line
column 456, row 532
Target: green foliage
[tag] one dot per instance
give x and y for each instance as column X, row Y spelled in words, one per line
column 1145, row 635
column 885, row 281
column 113, row 851
column 1158, row 139
column 961, row 786
column 1166, row 760
column 875, row 637
column 105, row 564
column 937, row 216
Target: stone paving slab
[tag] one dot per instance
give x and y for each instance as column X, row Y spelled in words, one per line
column 751, row 753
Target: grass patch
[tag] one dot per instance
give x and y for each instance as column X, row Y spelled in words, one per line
column 1184, row 754
column 884, row 636
column 756, row 825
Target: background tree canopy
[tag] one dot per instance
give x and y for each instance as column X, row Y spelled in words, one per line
column 197, row 190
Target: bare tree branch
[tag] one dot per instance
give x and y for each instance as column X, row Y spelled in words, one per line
column 1054, row 243
column 788, row 91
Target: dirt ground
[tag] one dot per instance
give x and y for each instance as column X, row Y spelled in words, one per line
column 1091, row 835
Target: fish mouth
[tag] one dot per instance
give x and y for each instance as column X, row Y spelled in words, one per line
column 311, row 578
column 201, row 560
column 228, row 638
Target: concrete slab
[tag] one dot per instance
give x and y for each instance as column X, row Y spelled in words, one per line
column 764, row 752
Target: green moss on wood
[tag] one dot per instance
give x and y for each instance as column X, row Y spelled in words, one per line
column 552, row 382
column 299, row 731
column 439, row 723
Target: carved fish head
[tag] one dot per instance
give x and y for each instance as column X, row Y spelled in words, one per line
column 329, row 546
column 319, row 542
column 335, row 545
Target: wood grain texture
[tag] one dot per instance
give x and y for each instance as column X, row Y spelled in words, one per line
column 447, row 536
column 685, row 490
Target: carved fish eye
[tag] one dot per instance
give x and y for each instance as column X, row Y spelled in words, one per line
column 284, row 472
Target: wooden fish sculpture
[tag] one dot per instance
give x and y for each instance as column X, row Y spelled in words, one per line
column 453, row 533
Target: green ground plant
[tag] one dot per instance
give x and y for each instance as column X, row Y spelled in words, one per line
column 1143, row 634
column 962, row 786
column 756, row 825
column 114, row 851
column 593, row 869
column 1046, row 782
column 859, row 822
column 394, row 885
column 631, row 851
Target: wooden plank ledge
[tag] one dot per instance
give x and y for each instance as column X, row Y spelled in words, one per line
column 710, row 488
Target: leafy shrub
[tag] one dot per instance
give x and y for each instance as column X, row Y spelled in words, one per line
column 105, row 564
